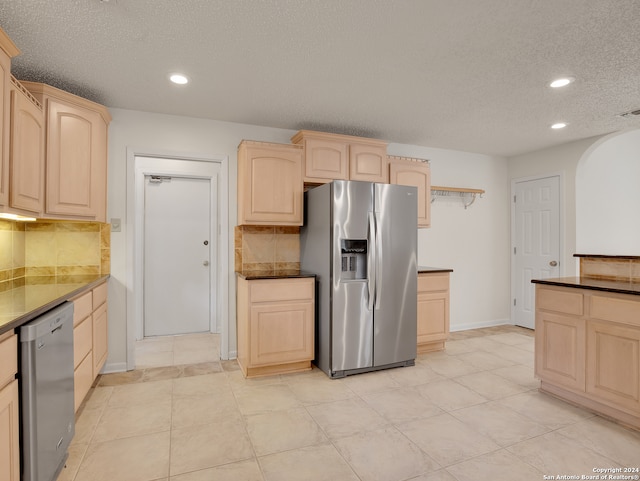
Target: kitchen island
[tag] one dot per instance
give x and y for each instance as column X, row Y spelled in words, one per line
column 587, row 343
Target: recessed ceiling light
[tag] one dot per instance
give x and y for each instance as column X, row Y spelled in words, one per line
column 178, row 78
column 561, row 82
column 559, row 125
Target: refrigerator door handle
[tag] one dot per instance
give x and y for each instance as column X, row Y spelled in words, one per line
column 371, row 260
column 378, row 256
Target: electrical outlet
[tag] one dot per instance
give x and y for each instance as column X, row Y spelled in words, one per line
column 116, row 225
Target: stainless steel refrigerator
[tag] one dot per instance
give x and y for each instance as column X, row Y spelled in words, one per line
column 360, row 239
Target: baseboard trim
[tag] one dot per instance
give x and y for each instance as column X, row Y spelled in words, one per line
column 479, row 325
column 111, row 367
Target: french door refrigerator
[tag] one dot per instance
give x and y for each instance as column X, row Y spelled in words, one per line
column 360, row 239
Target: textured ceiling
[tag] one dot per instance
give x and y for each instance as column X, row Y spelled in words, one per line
column 461, row 74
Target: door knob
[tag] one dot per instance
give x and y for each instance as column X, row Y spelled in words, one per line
column 553, row 263
column 205, row 263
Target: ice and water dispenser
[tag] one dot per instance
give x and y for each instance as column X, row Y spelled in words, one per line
column 354, row 259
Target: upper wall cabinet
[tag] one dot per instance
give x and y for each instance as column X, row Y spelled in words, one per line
column 76, row 154
column 332, row 157
column 7, row 51
column 416, row 173
column 26, row 153
column 270, row 186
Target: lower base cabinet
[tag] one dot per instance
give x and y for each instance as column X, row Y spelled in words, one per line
column 9, row 409
column 433, row 311
column 89, row 339
column 275, row 325
column 588, row 349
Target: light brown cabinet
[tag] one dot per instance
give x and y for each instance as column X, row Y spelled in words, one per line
column 270, row 187
column 76, row 154
column 9, row 408
column 330, row 157
column 275, row 325
column 26, row 153
column 433, row 311
column 7, row 51
column 415, row 173
column 588, row 349
column 89, row 339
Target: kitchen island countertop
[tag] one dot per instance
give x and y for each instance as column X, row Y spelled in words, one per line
column 22, row 304
column 592, row 283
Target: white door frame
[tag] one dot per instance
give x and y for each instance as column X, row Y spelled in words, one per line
column 562, row 230
column 135, row 201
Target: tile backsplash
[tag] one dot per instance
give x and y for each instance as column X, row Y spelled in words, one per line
column 45, row 248
column 266, row 248
column 619, row 268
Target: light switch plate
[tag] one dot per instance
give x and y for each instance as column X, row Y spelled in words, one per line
column 116, row 225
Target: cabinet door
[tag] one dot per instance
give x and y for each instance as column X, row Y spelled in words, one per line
column 82, row 341
column 368, row 163
column 100, row 335
column 76, row 162
column 270, row 186
column 560, row 349
column 325, row 160
column 416, row 174
column 281, row 333
column 9, row 442
column 26, row 154
column 82, row 380
column 613, row 365
column 5, row 122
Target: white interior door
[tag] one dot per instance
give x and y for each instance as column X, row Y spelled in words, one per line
column 536, row 244
column 177, row 255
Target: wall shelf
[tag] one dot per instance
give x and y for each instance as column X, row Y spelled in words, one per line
column 462, row 192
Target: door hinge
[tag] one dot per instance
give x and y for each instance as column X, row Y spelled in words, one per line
column 514, row 199
column 514, row 250
column 514, row 302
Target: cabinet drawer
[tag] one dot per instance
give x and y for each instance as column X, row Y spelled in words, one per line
column 8, row 359
column 433, row 282
column 82, row 381
column 626, row 311
column 82, row 307
column 82, row 341
column 281, row 290
column 99, row 295
column 565, row 301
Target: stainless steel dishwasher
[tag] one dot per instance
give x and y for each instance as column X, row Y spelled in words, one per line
column 46, row 391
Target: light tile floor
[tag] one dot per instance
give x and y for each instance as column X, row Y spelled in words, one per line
column 472, row 412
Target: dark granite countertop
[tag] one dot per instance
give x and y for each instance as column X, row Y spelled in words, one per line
column 621, row 287
column 424, row 269
column 22, row 304
column 275, row 274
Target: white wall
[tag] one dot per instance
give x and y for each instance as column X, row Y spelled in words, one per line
column 561, row 159
column 164, row 134
column 474, row 242
column 608, row 196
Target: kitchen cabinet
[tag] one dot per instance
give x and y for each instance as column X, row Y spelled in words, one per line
column 76, row 154
column 275, row 325
column 330, row 157
column 416, row 173
column 7, row 51
column 89, row 339
column 587, row 349
column 270, row 186
column 433, row 311
column 9, row 408
column 26, row 153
